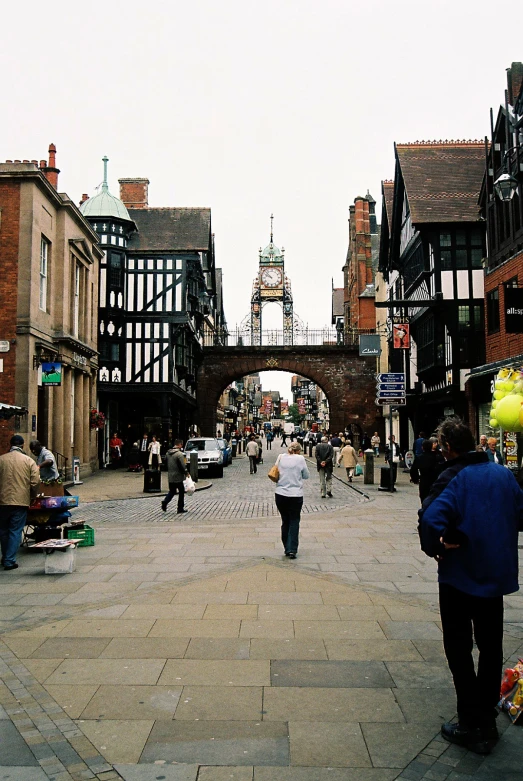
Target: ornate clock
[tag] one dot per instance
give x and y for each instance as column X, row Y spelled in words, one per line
column 272, row 277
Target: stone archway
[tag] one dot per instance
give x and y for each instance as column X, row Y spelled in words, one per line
column 347, row 380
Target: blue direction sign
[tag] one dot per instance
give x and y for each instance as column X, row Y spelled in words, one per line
column 391, row 377
column 395, row 401
column 391, row 386
column 385, row 394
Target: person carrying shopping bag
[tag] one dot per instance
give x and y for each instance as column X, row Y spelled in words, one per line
column 289, row 496
column 349, row 459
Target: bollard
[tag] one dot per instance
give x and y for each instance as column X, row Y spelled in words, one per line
column 310, row 449
column 368, row 473
column 193, row 466
column 234, row 445
column 239, row 451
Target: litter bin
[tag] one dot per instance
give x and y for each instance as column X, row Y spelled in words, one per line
column 385, row 484
column 152, row 481
column 234, row 445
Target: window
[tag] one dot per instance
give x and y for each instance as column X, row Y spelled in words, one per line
column 115, row 275
column 493, row 311
column 44, row 269
column 511, row 282
column 462, row 248
column 76, row 299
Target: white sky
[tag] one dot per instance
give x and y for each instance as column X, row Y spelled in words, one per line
column 285, row 106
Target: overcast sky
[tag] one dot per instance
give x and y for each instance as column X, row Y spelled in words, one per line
column 283, row 106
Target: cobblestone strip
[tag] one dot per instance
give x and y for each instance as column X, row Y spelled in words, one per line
column 60, row 748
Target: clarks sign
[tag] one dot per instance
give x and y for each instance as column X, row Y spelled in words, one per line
column 370, row 344
column 514, row 310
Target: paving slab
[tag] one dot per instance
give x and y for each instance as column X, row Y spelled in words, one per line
column 221, row 703
column 70, row 648
column 261, row 648
column 338, row 675
column 216, row 672
column 356, row 705
column 219, row 743
column 116, row 671
column 14, row 750
column 419, row 675
column 133, row 702
column 326, row 744
column 162, row 772
column 17, row 773
column 73, row 698
column 217, row 648
column 118, row 741
column 323, row 774
column 395, row 745
column 230, row 773
column 146, row 648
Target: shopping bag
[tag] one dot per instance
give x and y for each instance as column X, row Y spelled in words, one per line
column 359, row 470
column 188, row 485
column 274, row 473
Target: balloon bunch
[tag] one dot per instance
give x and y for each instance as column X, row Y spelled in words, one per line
column 507, row 401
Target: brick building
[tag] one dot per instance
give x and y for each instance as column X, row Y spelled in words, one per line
column 48, row 309
column 360, row 265
column 504, row 261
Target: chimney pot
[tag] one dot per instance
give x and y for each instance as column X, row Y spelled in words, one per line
column 35, row 162
column 9, row 161
column 134, row 193
column 25, row 161
column 51, row 171
column 18, row 161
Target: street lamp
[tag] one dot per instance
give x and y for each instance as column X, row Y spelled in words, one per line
column 505, row 187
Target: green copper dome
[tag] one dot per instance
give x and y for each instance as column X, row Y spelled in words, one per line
column 104, row 204
column 271, row 251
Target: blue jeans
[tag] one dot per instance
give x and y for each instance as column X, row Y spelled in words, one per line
column 12, row 521
column 289, row 508
column 173, row 489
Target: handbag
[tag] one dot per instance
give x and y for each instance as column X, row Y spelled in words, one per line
column 274, row 473
column 359, row 470
column 188, row 486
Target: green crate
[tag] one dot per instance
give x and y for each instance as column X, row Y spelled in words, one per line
column 86, row 535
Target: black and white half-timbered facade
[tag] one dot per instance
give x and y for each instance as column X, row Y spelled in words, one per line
column 158, row 297
column 431, row 253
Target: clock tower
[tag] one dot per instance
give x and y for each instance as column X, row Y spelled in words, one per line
column 271, row 284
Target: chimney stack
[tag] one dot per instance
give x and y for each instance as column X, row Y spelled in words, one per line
column 85, row 198
column 50, row 170
column 514, row 81
column 134, row 193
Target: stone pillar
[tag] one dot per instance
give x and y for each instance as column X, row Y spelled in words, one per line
column 86, row 455
column 68, row 419
column 78, row 415
column 58, row 417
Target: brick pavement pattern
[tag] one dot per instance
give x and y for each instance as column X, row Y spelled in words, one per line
column 187, row 647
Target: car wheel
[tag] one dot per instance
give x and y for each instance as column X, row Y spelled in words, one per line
column 219, row 471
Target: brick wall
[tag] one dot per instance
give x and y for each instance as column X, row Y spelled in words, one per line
column 9, row 248
column 501, row 345
column 134, row 193
column 347, row 380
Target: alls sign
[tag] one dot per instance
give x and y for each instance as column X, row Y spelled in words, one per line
column 514, row 310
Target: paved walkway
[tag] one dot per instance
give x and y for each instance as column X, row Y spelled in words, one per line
column 188, row 648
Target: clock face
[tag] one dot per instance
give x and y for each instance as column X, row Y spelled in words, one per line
column 271, row 277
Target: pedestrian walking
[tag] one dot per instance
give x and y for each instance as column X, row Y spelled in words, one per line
column 19, row 481
column 115, row 450
column 289, row 496
column 336, row 446
column 252, row 452
column 483, row 442
column 418, row 444
column 283, row 439
column 177, row 472
column 155, row 458
column 425, row 469
column 375, row 443
column 268, row 438
column 325, row 463
column 470, row 524
column 492, row 451
column 349, row 459
column 45, row 461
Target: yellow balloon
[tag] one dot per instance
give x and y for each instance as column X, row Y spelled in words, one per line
column 507, row 412
column 499, row 384
column 508, row 386
column 499, row 394
column 494, row 404
column 493, row 423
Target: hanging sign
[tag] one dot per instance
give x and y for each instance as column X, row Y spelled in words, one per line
column 370, row 344
column 401, row 336
column 514, row 310
column 51, row 373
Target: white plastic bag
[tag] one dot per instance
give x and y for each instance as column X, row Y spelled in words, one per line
column 60, row 562
column 188, row 485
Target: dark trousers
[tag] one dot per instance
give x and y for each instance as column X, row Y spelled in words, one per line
column 289, row 508
column 13, row 518
column 462, row 615
column 253, row 460
column 173, row 489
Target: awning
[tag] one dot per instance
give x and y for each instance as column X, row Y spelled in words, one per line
column 10, row 410
column 516, row 361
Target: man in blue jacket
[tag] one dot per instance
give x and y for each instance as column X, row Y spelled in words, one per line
column 471, row 528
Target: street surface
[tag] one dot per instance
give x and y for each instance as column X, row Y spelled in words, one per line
column 188, row 648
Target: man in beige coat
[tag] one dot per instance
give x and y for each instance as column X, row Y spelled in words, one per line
column 19, row 481
column 349, row 459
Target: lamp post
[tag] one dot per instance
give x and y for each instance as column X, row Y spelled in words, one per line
column 505, row 186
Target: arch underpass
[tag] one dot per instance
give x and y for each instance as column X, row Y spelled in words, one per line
column 347, row 380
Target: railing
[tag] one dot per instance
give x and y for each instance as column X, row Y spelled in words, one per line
column 61, row 464
column 303, row 337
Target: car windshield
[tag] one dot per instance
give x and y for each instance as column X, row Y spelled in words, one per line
column 201, row 444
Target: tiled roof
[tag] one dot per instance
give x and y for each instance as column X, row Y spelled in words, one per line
column 388, row 197
column 170, row 229
column 337, row 302
column 442, row 179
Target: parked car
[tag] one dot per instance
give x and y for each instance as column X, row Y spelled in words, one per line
column 210, row 455
column 226, row 449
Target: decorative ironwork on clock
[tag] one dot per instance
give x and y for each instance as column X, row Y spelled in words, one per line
column 271, row 284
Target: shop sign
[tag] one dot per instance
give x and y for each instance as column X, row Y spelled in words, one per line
column 370, row 344
column 4, row 346
column 51, row 373
column 514, row 310
column 401, row 336
column 80, row 360
column 511, row 450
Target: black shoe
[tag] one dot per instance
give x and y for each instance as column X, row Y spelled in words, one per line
column 10, row 566
column 164, row 507
column 287, row 553
column 182, row 511
column 470, row 738
column 291, row 555
column 329, row 495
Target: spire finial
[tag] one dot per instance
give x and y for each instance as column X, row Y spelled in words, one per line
column 272, row 218
column 105, row 186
